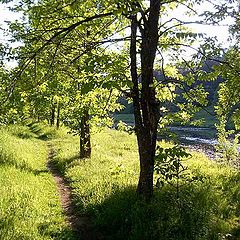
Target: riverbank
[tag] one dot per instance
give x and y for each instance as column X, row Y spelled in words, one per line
column 197, row 139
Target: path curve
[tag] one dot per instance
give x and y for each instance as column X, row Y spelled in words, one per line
column 81, row 225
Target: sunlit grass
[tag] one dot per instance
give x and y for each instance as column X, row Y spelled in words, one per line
column 29, row 202
column 100, row 181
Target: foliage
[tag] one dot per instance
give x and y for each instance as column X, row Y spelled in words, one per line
column 227, row 109
column 227, row 148
column 122, row 126
column 168, row 164
column 228, row 104
column 67, row 61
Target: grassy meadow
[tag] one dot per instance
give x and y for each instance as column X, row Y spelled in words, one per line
column 29, row 202
column 104, row 187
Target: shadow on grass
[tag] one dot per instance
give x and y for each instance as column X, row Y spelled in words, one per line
column 194, row 216
column 47, row 230
column 63, row 164
column 36, row 129
column 42, row 132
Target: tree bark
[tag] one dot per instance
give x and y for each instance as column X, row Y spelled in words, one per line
column 146, row 106
column 52, row 119
column 85, row 140
column 58, row 116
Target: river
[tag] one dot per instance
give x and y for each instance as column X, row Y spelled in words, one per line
column 196, row 138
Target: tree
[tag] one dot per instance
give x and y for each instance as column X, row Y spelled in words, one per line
column 146, row 107
column 69, row 31
column 154, row 37
column 89, row 103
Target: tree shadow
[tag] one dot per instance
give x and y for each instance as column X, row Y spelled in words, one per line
column 47, row 230
column 191, row 217
column 63, row 163
column 38, row 130
column 33, row 127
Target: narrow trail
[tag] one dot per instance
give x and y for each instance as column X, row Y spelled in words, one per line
column 81, row 225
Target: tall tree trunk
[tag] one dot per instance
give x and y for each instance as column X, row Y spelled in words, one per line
column 146, row 106
column 58, row 116
column 85, row 140
column 52, row 119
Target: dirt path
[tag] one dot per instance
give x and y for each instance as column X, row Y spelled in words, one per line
column 81, row 225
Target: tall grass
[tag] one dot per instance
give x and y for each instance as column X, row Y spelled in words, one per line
column 104, row 187
column 29, row 202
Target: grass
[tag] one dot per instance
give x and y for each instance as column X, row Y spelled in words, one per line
column 104, row 187
column 29, row 203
